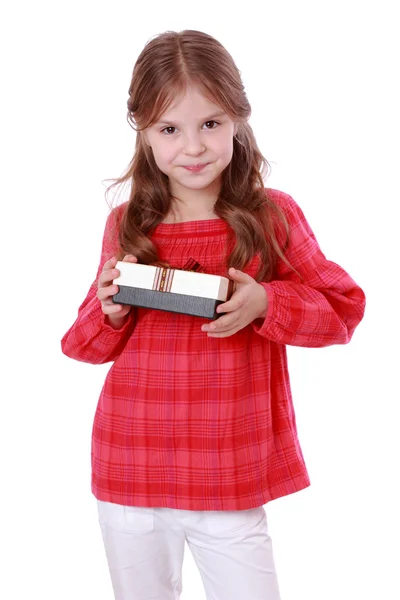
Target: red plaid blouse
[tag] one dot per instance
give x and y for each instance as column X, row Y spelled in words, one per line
column 191, row 422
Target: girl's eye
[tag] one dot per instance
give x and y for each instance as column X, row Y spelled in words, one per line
column 213, row 123
column 167, row 130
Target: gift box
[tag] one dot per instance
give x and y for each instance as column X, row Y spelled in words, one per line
column 173, row 290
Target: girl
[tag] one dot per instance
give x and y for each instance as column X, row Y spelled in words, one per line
column 195, row 429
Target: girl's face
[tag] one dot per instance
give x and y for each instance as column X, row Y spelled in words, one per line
column 192, row 144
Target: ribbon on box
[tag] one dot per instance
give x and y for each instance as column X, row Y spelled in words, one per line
column 164, row 276
column 163, row 279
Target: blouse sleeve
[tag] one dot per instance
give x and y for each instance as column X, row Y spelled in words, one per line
column 91, row 339
column 323, row 306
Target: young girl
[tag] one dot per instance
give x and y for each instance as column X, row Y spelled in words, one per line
column 195, row 429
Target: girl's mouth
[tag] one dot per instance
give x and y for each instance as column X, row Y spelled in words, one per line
column 196, row 168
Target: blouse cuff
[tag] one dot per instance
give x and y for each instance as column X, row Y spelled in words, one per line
column 260, row 325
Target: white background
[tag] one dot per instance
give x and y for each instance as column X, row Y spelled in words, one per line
column 322, row 78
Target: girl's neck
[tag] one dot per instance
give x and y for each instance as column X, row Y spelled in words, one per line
column 184, row 216
column 191, row 210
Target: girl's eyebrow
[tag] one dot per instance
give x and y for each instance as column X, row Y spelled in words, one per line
column 204, row 120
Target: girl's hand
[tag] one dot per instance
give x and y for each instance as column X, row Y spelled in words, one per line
column 116, row 313
column 248, row 302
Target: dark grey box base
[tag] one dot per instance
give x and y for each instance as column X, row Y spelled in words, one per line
column 179, row 303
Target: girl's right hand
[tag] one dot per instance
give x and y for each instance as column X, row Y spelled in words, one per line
column 116, row 313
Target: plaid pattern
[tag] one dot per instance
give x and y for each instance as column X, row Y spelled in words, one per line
column 191, row 422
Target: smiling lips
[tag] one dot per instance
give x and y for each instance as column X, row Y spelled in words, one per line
column 196, row 168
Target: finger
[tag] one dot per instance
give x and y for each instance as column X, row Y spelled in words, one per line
column 129, row 258
column 110, row 263
column 224, row 328
column 108, row 303
column 111, row 308
column 231, row 305
column 107, row 276
column 222, row 324
column 106, row 292
column 240, row 276
column 223, row 334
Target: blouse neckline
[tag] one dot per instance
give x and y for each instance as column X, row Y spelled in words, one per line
column 205, row 227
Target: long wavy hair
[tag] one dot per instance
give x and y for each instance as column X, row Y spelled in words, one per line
column 166, row 67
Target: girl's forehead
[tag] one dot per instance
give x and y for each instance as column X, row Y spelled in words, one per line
column 192, row 103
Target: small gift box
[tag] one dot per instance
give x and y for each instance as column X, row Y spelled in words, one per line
column 173, row 290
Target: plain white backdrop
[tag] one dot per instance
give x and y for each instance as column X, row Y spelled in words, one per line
column 322, row 79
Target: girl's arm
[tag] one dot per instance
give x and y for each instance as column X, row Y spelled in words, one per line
column 321, row 309
column 91, row 338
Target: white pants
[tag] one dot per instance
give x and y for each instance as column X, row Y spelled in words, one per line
column 145, row 548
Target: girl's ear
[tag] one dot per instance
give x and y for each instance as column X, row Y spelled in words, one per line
column 235, row 128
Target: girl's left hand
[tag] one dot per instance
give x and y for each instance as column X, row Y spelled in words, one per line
column 248, row 302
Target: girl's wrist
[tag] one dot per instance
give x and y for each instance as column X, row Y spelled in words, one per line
column 264, row 310
column 115, row 322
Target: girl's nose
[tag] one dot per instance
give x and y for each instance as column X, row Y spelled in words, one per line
column 194, row 145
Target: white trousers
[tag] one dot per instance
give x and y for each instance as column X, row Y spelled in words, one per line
column 145, row 548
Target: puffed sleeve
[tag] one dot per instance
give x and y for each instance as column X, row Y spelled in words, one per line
column 320, row 306
column 91, row 339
